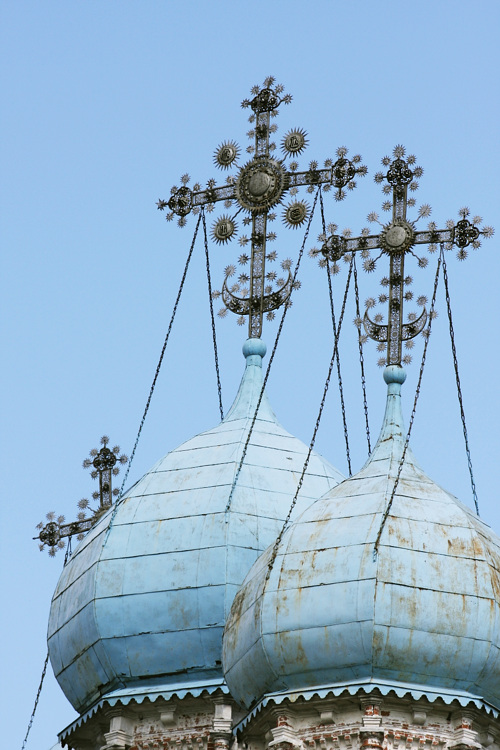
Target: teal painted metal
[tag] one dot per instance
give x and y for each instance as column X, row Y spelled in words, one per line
column 414, row 692
column 139, row 693
column 147, row 598
column 425, row 613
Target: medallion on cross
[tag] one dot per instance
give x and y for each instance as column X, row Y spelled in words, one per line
column 257, row 188
column 397, row 239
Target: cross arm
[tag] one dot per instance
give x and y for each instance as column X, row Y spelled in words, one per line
column 434, row 236
column 183, row 200
column 311, row 177
column 462, row 234
column 336, row 246
column 103, row 465
column 339, row 175
column 55, row 531
column 213, row 194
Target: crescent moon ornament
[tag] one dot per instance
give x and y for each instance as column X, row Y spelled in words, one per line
column 266, row 303
column 410, row 330
column 379, row 332
column 256, row 187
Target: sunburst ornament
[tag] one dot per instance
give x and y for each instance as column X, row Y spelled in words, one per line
column 294, row 142
column 223, row 229
column 226, row 154
column 256, row 188
column 295, row 214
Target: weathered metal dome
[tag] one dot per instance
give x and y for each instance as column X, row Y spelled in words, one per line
column 423, row 614
column 142, row 602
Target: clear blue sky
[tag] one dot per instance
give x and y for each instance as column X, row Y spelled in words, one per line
column 105, row 105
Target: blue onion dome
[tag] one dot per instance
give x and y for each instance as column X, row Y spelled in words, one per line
column 421, row 615
column 141, row 604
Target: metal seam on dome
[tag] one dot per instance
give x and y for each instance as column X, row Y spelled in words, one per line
column 120, row 498
column 126, row 512
column 271, row 358
column 412, row 417
column 174, row 311
column 316, row 427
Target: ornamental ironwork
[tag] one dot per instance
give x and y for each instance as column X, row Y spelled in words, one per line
column 257, row 188
column 103, row 465
column 396, row 239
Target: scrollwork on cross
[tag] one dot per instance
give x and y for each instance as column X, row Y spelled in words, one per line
column 257, row 188
column 103, row 464
column 397, row 239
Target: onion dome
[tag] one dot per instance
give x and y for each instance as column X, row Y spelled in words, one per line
column 421, row 615
column 142, row 602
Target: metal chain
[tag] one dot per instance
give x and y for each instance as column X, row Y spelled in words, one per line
column 271, row 358
column 361, row 358
column 148, row 402
column 214, row 339
column 44, row 670
column 339, row 374
column 412, row 418
column 459, row 388
column 68, row 551
column 315, row 431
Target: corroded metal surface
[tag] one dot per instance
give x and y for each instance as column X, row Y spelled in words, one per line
column 425, row 611
column 151, row 596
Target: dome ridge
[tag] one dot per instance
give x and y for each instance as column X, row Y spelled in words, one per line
column 424, row 611
column 145, row 596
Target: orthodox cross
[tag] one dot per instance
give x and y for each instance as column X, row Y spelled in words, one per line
column 396, row 239
column 257, row 188
column 103, row 465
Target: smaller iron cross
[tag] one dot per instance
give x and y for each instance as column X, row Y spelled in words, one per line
column 258, row 187
column 103, row 464
column 396, row 239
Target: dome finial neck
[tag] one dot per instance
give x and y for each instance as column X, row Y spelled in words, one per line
column 393, row 424
column 249, row 393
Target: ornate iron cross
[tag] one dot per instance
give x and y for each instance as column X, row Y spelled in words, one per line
column 257, row 188
column 103, row 465
column 396, row 239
